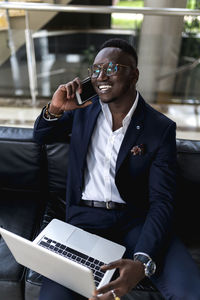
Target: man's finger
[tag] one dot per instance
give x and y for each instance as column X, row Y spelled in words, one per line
column 112, row 285
column 112, row 265
column 87, row 103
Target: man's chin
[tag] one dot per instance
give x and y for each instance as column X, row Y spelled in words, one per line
column 107, row 100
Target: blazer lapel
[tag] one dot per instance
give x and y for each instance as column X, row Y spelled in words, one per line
column 134, row 130
column 93, row 113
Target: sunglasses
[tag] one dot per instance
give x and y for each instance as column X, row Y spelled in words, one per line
column 109, row 69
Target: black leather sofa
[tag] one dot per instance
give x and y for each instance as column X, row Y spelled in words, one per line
column 32, row 192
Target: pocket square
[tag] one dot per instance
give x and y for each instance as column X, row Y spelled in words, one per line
column 138, row 149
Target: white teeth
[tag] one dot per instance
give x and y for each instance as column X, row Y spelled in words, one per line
column 104, row 87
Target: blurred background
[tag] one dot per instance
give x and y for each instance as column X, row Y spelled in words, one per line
column 47, row 43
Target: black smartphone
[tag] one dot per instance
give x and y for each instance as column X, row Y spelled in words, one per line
column 88, row 92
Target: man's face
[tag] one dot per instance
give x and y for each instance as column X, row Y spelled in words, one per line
column 120, row 85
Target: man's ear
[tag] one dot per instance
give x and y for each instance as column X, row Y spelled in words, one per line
column 135, row 75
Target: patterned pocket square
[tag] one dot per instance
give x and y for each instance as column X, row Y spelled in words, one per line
column 138, row 149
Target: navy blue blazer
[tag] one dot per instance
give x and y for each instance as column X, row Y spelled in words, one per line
column 145, row 182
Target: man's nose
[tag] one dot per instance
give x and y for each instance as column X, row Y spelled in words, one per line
column 102, row 75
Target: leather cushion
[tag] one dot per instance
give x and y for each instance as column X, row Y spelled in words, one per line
column 21, row 160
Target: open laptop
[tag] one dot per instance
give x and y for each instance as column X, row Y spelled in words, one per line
column 66, row 254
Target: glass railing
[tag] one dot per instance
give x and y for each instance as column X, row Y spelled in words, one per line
column 34, row 62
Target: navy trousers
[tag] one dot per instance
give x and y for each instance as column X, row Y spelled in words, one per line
column 178, row 277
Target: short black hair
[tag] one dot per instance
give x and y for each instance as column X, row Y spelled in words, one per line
column 123, row 45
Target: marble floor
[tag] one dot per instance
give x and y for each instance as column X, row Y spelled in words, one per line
column 186, row 116
column 22, row 114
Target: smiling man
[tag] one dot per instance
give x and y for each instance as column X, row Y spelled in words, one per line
column 121, row 178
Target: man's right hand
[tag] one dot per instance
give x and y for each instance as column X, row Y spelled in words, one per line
column 64, row 97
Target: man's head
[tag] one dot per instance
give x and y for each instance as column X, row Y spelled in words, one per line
column 123, row 45
column 114, row 72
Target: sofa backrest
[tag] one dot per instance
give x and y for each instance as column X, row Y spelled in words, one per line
column 188, row 184
column 22, row 198
column 20, row 160
column 22, row 180
column 57, row 162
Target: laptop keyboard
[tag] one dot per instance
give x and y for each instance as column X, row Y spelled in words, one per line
column 76, row 256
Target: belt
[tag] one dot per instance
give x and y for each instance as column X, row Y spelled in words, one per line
column 103, row 204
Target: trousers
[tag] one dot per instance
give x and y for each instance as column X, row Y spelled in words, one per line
column 178, row 277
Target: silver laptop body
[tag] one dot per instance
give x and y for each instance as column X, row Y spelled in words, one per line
column 67, row 255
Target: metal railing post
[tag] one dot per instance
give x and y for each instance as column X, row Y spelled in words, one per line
column 30, row 52
column 13, row 57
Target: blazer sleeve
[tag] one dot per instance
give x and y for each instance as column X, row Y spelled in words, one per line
column 48, row 131
column 162, row 183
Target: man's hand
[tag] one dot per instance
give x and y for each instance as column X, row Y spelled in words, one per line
column 131, row 272
column 64, row 97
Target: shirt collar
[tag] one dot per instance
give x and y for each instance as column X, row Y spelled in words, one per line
column 131, row 111
column 126, row 120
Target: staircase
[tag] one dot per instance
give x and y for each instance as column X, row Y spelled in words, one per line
column 11, row 40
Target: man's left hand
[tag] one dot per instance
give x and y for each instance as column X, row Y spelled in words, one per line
column 130, row 273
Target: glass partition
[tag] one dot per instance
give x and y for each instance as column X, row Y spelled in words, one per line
column 169, row 59
column 62, row 56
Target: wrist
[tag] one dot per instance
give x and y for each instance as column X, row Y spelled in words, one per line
column 141, row 267
column 53, row 109
column 52, row 113
column 148, row 264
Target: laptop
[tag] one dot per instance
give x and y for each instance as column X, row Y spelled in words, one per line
column 67, row 255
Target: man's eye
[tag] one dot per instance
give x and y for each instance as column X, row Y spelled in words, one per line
column 97, row 71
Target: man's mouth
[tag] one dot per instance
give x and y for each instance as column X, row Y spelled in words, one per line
column 104, row 88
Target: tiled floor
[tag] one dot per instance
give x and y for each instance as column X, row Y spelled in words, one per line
column 21, row 114
column 187, row 118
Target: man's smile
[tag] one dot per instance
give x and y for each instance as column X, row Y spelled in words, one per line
column 104, row 88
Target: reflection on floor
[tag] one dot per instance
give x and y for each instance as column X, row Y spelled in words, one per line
column 22, row 114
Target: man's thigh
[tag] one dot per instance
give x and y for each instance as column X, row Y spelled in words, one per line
column 178, row 276
column 51, row 290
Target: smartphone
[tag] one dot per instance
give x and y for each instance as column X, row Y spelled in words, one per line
column 88, row 92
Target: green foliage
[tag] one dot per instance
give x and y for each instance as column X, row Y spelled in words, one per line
column 193, row 4
column 126, row 22
column 131, row 3
column 88, row 55
column 192, row 24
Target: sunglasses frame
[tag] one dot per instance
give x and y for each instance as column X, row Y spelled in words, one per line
column 102, row 68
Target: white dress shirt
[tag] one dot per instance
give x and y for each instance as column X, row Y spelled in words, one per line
column 99, row 183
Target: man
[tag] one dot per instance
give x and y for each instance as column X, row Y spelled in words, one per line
column 121, row 178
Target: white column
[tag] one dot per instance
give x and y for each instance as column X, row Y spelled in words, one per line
column 160, row 40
